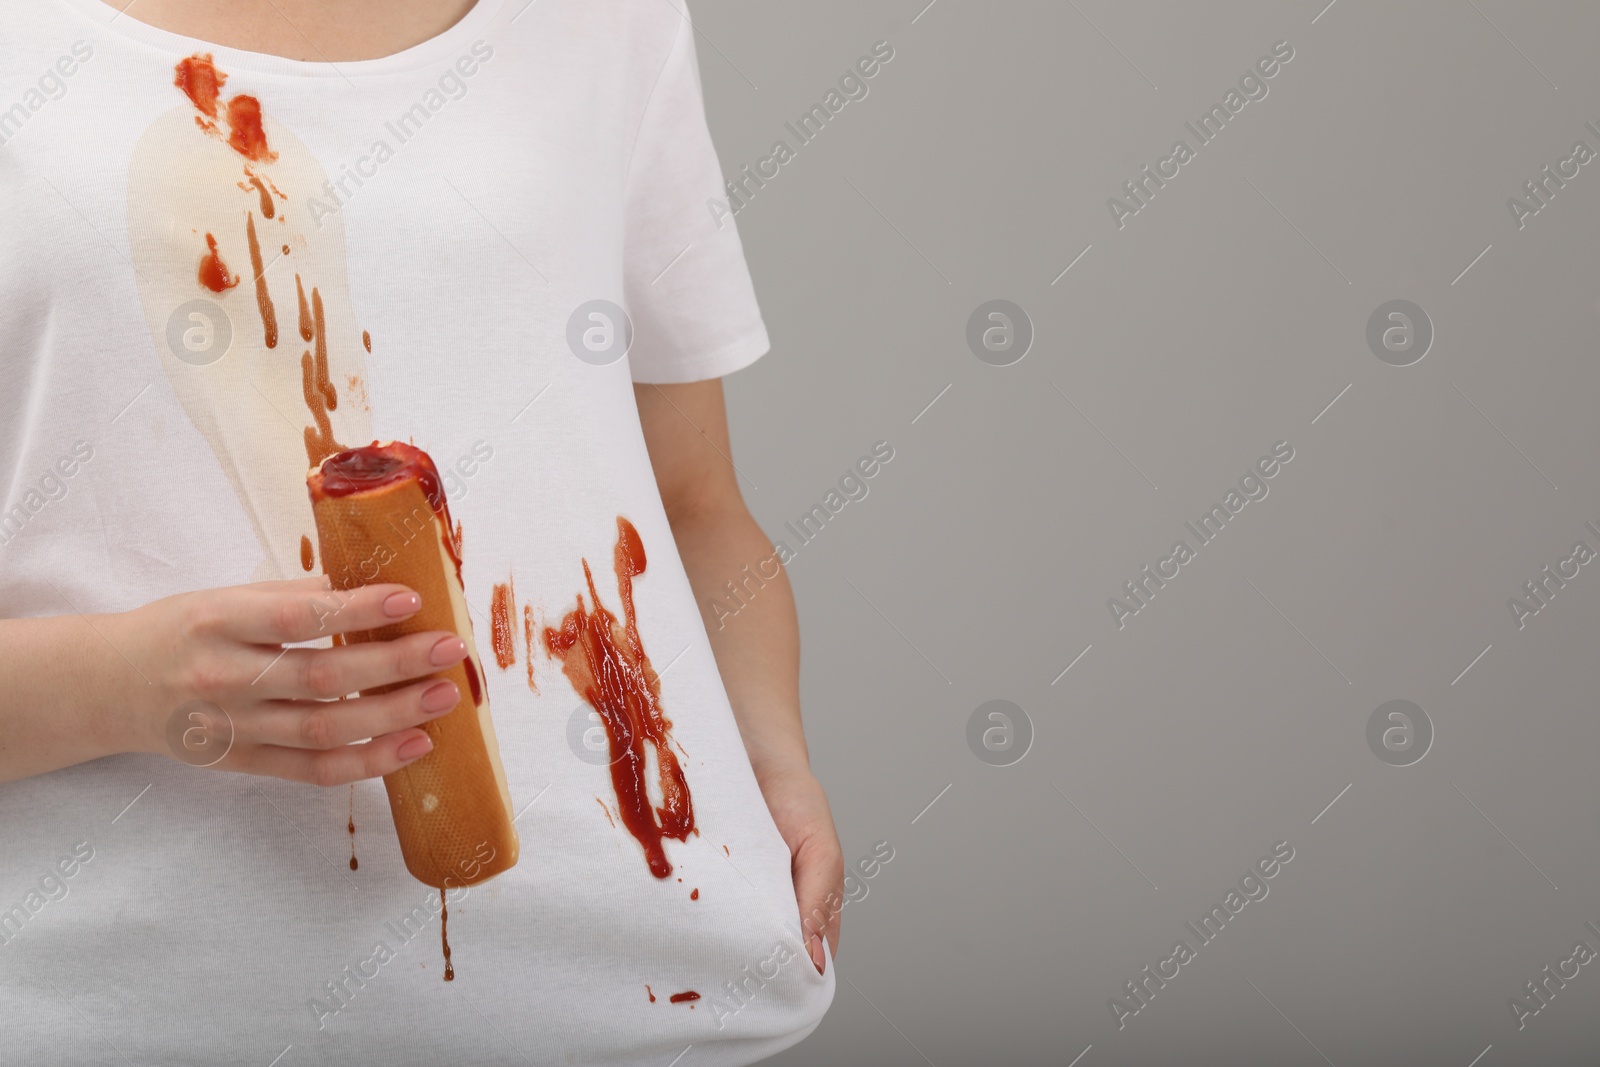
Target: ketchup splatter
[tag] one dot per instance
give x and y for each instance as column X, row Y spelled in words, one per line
column 607, row 665
column 214, row 273
column 695, row 894
column 244, row 130
column 268, row 209
column 502, row 605
column 285, row 249
column 527, row 641
column 352, row 825
column 607, row 810
column 269, row 315
column 306, row 557
column 366, row 340
column 679, row 998
column 652, row 995
column 444, row 937
column 200, row 81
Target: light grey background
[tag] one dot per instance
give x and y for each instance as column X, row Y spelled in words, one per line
column 1223, row 318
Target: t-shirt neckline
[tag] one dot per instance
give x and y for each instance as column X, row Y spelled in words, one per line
column 441, row 46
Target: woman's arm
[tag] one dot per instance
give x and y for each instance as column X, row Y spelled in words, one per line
column 758, row 652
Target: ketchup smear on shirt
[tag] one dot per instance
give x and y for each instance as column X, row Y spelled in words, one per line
column 607, row 665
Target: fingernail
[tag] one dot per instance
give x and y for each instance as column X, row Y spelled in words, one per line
column 399, row 605
column 816, row 953
column 440, row 698
column 447, row 651
column 415, row 748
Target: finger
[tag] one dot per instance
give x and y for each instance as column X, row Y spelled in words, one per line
column 284, row 613
column 819, row 891
column 328, row 724
column 336, row 766
column 330, row 673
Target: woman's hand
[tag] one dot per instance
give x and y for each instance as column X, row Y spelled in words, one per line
column 800, row 809
column 286, row 712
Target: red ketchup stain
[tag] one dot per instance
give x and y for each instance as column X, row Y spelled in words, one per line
column 200, row 81
column 527, row 641
column 607, row 810
column 695, row 895
column 307, row 558
column 607, row 666
column 502, row 605
column 352, row 825
column 366, row 337
column 679, row 998
column 285, row 249
column 652, row 995
column 214, row 273
column 245, row 134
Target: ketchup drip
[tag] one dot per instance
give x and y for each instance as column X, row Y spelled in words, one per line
column 679, row 998
column 268, row 209
column 652, row 995
column 269, row 315
column 366, row 340
column 502, row 605
column 214, row 273
column 352, row 825
column 307, row 559
column 444, row 937
column 200, row 81
column 318, row 390
column 305, row 311
column 607, row 665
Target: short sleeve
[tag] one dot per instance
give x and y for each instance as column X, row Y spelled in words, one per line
column 686, row 284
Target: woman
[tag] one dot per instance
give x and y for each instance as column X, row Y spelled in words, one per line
column 238, row 238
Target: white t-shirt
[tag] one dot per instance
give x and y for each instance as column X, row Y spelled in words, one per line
column 462, row 204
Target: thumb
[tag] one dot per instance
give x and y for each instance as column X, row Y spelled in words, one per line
column 818, row 881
